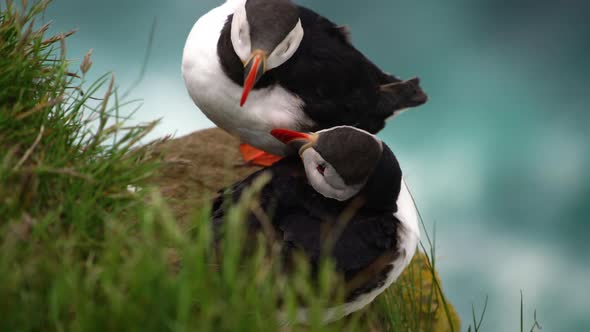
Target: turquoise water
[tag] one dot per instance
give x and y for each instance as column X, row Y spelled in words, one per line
column 498, row 159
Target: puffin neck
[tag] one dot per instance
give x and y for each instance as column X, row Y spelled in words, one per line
column 383, row 187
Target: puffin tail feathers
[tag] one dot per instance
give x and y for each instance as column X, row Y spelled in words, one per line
column 405, row 94
column 394, row 97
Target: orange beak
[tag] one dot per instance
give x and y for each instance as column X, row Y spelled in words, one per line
column 298, row 141
column 288, row 136
column 253, row 69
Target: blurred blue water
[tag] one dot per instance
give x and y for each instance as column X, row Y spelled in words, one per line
column 498, row 159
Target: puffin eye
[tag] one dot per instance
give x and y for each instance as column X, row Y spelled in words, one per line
column 321, row 169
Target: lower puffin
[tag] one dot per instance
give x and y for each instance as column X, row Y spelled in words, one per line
column 345, row 189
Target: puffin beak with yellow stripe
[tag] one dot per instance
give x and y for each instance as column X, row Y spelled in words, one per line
column 254, row 68
column 296, row 140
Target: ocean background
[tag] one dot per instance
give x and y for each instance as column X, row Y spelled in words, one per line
column 498, row 160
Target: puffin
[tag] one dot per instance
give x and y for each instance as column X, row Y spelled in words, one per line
column 342, row 195
column 254, row 65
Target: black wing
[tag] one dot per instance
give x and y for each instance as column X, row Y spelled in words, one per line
column 285, row 176
column 338, row 84
column 364, row 239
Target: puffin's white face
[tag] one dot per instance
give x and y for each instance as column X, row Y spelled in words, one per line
column 242, row 41
column 324, row 179
column 240, row 33
column 285, row 50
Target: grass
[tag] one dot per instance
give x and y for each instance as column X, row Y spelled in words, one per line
column 79, row 251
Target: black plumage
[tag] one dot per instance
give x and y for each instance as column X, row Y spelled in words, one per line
column 337, row 83
column 304, row 220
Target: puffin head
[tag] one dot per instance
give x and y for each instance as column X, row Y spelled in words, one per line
column 264, row 34
column 339, row 161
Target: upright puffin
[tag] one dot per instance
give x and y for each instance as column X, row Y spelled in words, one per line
column 308, row 195
column 255, row 65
